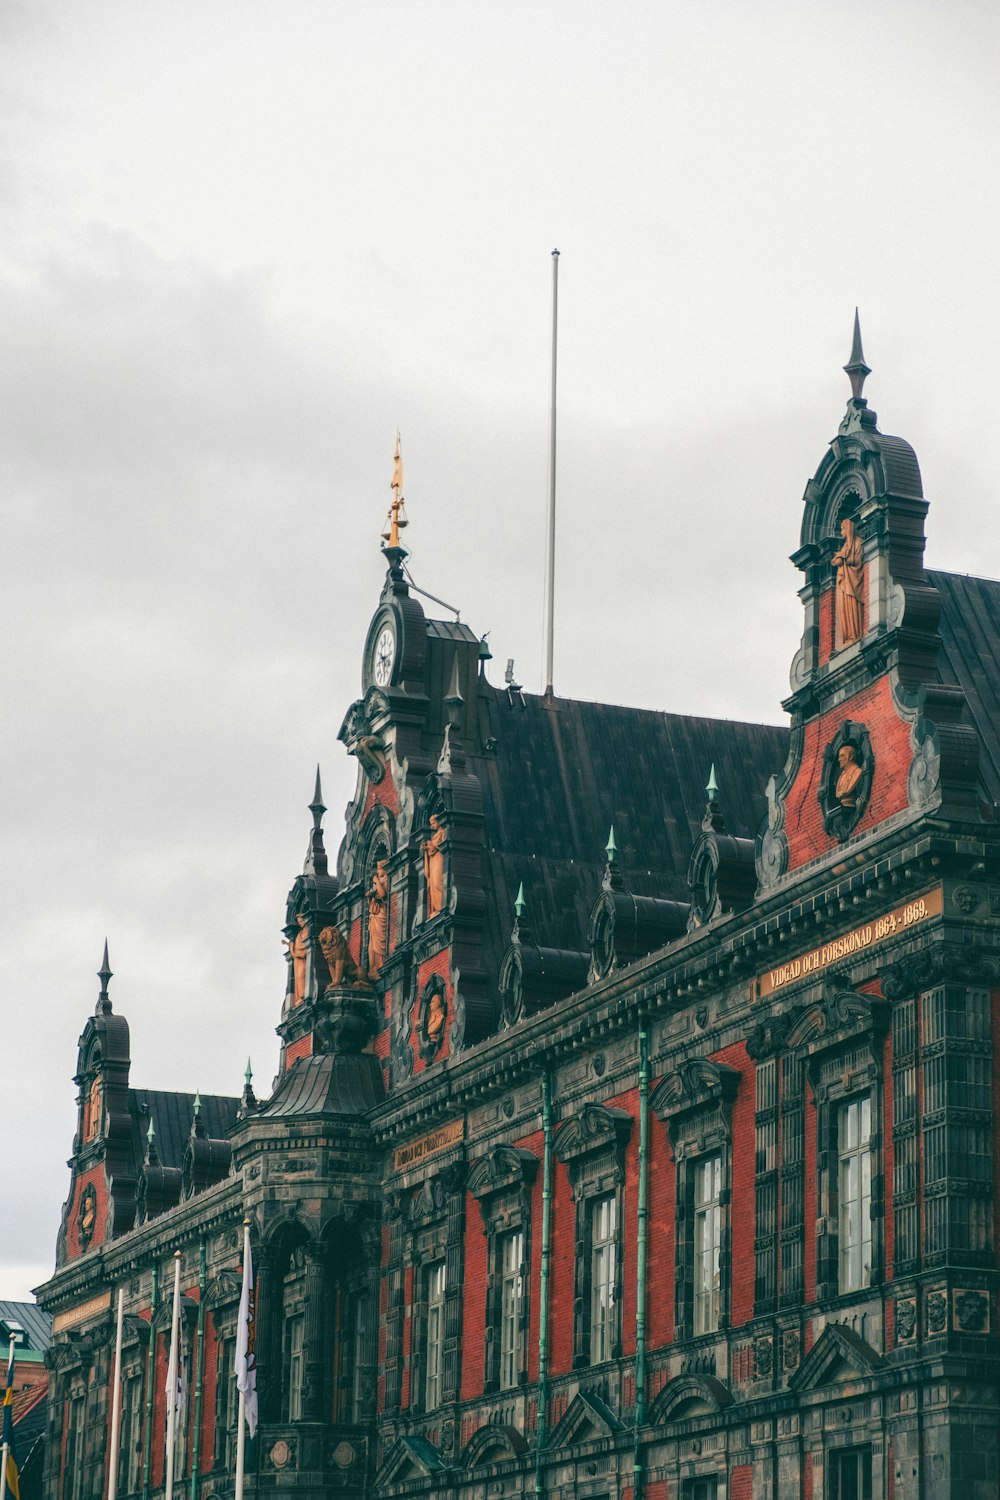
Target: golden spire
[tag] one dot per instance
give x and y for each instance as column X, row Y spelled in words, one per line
column 396, row 519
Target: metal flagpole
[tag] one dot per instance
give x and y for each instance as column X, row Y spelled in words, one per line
column 172, row 1379
column 116, row 1398
column 241, row 1432
column 551, row 575
column 5, row 1452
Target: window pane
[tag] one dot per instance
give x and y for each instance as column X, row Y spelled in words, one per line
column 602, row 1278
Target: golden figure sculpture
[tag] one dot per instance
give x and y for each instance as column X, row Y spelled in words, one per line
column 92, row 1123
column 850, row 775
column 435, row 1016
column 433, row 851
column 299, row 949
column 343, row 969
column 848, row 565
column 378, row 918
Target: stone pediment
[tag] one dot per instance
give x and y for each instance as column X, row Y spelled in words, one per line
column 587, row 1419
column 493, row 1444
column 689, row 1396
column 409, row 1458
column 838, row 1355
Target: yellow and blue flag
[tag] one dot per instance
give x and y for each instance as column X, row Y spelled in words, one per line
column 13, row 1488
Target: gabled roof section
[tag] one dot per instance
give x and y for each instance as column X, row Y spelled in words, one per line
column 409, row 1458
column 37, row 1326
column 172, row 1115
column 558, row 773
column 839, row 1354
column 970, row 656
column 587, row 1419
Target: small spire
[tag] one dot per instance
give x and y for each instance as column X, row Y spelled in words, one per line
column 396, row 519
column 316, row 862
column 197, row 1104
column 104, row 974
column 248, row 1075
column 151, row 1156
column 712, row 788
column 856, row 370
column 611, row 848
column 150, row 1132
column 519, row 902
column 248, row 1099
column 454, row 701
column 713, row 821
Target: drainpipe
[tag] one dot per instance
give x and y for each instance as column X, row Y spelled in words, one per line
column 147, row 1448
column 543, row 1291
column 640, row 1270
column 199, row 1377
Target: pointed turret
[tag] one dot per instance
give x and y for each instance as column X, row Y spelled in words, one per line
column 612, row 874
column 856, row 369
column 316, row 861
column 713, row 821
column 248, row 1099
column 151, row 1158
column 104, row 974
column 396, row 518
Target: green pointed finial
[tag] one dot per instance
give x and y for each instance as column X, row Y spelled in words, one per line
column 249, row 1072
column 519, row 902
column 856, row 370
column 150, row 1133
column 611, row 848
column 197, row 1104
column 713, row 786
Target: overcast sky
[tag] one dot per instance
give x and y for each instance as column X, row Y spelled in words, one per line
column 241, row 243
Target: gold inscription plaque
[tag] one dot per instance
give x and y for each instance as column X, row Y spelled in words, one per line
column 81, row 1312
column 428, row 1145
column 856, row 941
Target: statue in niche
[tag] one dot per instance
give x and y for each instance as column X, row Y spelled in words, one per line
column 850, row 774
column 433, row 852
column 378, row 918
column 848, row 566
column 433, row 1018
column 92, row 1125
column 344, row 972
column 298, row 947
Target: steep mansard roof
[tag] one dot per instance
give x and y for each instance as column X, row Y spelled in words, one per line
column 562, row 773
column 172, row 1115
column 970, row 656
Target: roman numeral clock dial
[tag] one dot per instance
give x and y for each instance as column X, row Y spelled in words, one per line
column 384, row 656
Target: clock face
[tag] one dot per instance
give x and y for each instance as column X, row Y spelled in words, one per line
column 383, row 656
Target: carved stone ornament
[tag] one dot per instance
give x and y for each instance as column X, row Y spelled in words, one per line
column 433, row 1018
column 972, row 1311
column 923, row 970
column 906, row 1319
column 791, row 1348
column 361, row 741
column 846, row 781
column 937, row 1311
column 87, row 1216
column 763, row 1356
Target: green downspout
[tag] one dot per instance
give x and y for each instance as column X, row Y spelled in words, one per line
column 640, row 1271
column 543, row 1291
column 147, row 1447
column 199, row 1372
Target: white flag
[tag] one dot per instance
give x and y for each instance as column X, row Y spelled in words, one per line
column 246, row 1334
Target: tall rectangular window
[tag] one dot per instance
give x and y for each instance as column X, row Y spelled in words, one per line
column 851, row 1474
column 435, row 1335
column 511, row 1306
column 225, row 1402
column 294, row 1339
column 707, row 1242
column 603, row 1246
column 854, row 1186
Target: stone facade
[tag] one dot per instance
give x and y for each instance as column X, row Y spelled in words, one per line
column 666, row 1172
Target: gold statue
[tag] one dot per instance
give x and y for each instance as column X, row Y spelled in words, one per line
column 433, row 852
column 435, row 1016
column 396, row 518
column 850, row 775
column 343, row 970
column 92, row 1115
column 849, row 567
column 299, row 949
column 378, row 918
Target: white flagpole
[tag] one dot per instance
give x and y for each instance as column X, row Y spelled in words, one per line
column 172, row 1379
column 241, row 1431
column 6, row 1447
column 116, row 1398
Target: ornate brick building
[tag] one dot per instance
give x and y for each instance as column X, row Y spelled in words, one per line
column 654, row 1165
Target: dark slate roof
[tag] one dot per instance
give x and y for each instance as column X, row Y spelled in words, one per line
column 561, row 775
column 172, row 1115
column 970, row 656
column 336, row 1083
column 36, row 1323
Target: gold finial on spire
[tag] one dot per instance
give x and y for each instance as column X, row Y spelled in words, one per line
column 396, row 519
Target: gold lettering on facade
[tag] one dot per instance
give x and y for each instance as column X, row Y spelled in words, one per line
column 81, row 1312
column 856, row 941
column 428, row 1145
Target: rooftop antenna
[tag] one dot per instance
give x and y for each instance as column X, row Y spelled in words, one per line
column 550, row 588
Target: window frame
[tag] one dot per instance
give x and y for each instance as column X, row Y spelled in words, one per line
column 435, row 1305
column 854, row 1200
column 502, row 1183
